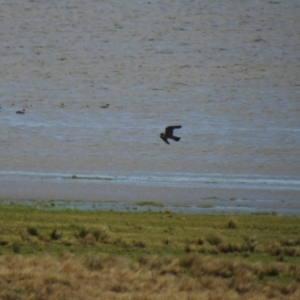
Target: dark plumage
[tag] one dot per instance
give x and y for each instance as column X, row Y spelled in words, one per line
column 169, row 134
column 20, row 112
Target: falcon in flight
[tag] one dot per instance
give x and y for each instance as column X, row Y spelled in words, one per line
column 169, row 134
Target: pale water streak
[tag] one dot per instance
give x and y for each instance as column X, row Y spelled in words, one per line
column 167, row 180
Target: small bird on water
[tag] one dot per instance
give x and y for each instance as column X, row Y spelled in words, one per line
column 169, row 134
column 21, row 112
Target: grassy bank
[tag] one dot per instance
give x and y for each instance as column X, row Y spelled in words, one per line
column 51, row 254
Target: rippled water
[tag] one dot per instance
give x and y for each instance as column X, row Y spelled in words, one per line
column 229, row 74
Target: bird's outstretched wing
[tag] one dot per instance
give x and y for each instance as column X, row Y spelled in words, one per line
column 165, row 140
column 169, row 129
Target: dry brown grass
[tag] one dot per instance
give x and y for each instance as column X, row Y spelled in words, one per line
column 107, row 277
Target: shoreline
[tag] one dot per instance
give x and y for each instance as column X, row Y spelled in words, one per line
column 177, row 193
column 209, row 206
column 126, row 195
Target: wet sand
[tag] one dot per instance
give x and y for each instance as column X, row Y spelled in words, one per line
column 120, row 197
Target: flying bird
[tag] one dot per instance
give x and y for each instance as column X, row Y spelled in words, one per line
column 169, row 134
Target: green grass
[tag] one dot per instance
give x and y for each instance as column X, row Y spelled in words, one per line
column 255, row 238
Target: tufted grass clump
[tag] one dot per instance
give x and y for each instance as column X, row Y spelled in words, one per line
column 214, row 238
column 16, row 247
column 32, row 230
column 54, row 235
column 82, row 233
column 232, row 224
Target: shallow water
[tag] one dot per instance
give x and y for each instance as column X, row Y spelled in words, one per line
column 228, row 73
column 235, row 207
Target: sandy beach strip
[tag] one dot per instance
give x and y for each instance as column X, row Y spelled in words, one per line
column 122, row 197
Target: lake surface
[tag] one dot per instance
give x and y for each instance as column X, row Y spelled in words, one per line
column 227, row 72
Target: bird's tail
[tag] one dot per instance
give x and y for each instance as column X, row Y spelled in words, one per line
column 175, row 138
